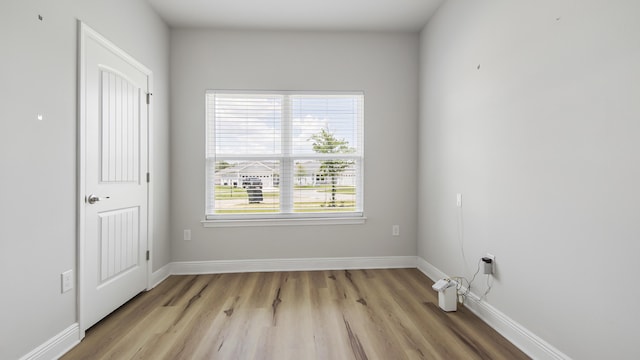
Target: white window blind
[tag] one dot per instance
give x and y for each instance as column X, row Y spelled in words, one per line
column 275, row 154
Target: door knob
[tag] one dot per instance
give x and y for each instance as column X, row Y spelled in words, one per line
column 92, row 199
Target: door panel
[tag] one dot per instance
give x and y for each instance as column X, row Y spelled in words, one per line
column 115, row 125
column 119, row 242
column 120, row 148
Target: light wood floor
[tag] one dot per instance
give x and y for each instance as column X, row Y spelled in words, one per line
column 356, row 314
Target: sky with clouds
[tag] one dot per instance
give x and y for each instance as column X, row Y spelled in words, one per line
column 247, row 124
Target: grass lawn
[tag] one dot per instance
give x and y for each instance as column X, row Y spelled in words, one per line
column 327, row 189
column 230, row 192
column 299, row 207
column 246, row 211
column 271, row 201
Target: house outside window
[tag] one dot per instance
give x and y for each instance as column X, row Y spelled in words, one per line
column 284, row 154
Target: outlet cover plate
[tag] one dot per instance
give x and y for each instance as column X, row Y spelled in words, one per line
column 66, row 281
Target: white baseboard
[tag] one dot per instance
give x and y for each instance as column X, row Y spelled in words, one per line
column 521, row 337
column 57, row 346
column 269, row 265
column 431, row 271
column 159, row 276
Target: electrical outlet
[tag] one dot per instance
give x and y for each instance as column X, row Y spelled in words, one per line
column 459, row 200
column 395, row 230
column 491, row 256
column 187, row 234
column 66, row 280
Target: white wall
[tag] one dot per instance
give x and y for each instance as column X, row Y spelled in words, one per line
column 38, row 158
column 543, row 143
column 384, row 66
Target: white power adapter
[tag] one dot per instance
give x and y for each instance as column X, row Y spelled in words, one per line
column 447, row 293
column 487, row 265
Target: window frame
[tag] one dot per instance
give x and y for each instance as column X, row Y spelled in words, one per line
column 286, row 214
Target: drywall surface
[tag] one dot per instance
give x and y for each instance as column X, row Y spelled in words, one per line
column 531, row 111
column 38, row 157
column 384, row 66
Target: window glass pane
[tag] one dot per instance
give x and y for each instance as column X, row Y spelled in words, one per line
column 325, row 186
column 246, row 187
column 247, row 124
column 336, row 115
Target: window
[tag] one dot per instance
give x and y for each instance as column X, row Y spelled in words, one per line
column 284, row 154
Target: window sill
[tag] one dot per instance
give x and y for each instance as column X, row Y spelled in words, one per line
column 215, row 223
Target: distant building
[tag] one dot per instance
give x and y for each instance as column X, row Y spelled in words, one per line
column 306, row 173
column 232, row 176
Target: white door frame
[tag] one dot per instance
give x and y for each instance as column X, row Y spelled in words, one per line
column 84, row 32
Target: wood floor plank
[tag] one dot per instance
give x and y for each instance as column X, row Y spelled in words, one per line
column 435, row 329
column 348, row 314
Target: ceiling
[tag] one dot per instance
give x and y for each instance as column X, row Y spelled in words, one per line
column 299, row 15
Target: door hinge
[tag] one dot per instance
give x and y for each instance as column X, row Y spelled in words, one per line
column 148, row 177
column 149, row 98
column 148, row 255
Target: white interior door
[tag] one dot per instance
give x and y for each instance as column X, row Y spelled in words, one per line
column 113, row 246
